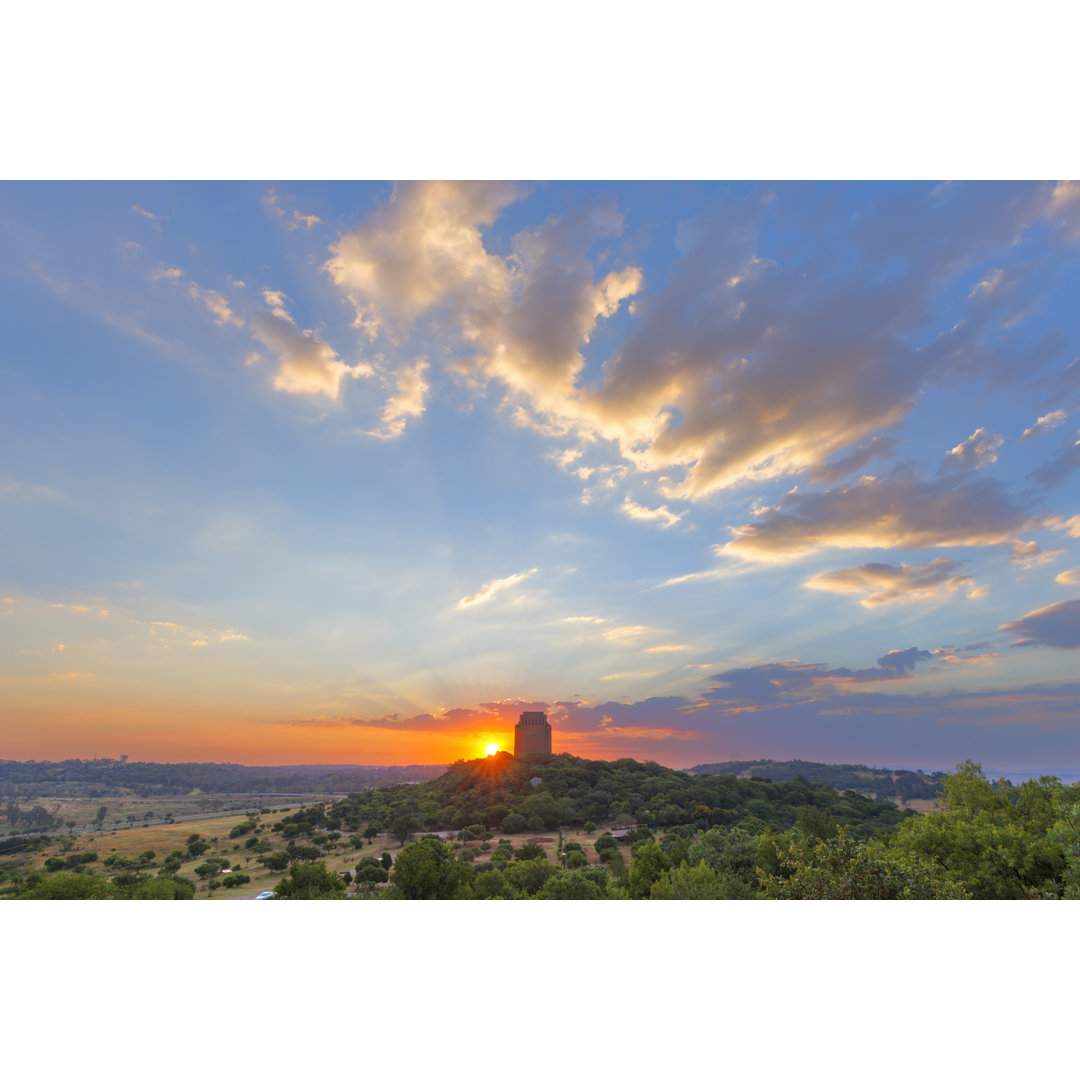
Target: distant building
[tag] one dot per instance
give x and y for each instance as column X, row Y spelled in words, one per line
column 532, row 734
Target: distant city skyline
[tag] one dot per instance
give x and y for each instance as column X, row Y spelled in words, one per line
column 360, row 472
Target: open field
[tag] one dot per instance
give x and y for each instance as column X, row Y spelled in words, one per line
column 132, row 840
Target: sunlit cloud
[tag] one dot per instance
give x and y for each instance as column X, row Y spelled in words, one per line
column 874, row 584
column 216, row 304
column 489, row 591
column 166, row 273
column 412, row 388
column 666, row 648
column 1056, row 624
column 1066, row 577
column 895, row 511
column 307, row 365
column 1044, row 423
column 661, row 516
column 275, row 301
column 976, row 451
column 625, row 635
column 232, row 635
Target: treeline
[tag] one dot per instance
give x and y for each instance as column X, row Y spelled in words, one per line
column 987, row 842
column 543, row 792
column 884, row 783
column 95, row 778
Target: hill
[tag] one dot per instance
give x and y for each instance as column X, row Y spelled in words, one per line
column 894, row 784
column 543, row 792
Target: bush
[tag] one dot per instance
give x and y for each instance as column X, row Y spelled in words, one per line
column 514, row 823
column 576, row 860
column 235, row 880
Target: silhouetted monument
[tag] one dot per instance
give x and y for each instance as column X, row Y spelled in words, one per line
column 532, row 734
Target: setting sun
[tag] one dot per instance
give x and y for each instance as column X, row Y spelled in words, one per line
column 491, row 748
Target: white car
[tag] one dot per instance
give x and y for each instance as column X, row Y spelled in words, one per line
column 265, row 895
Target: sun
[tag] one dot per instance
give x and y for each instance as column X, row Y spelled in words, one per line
column 491, row 748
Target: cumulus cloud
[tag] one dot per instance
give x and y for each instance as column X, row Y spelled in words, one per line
column 976, row 451
column 490, row 590
column 898, row 510
column 886, row 583
column 303, row 221
column 421, row 247
column 1044, row 423
column 412, row 389
column 307, row 365
column 166, row 273
column 661, row 516
column 1068, row 577
column 1056, row 624
column 733, row 369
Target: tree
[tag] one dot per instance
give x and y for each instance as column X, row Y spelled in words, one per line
column 842, row 869
column 649, row 863
column 514, row 823
column 429, row 870
column 370, row 871
column 576, row 860
column 99, row 817
column 402, row 827
column 530, row 851
column 310, row 881
column 569, row 887
column 72, row 887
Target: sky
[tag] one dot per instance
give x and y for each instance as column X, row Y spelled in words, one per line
column 357, row 472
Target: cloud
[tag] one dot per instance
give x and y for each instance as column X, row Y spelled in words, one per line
column 422, row 247
column 154, row 218
column 569, row 618
column 885, row 583
column 490, row 590
column 976, row 451
column 275, row 301
column 216, row 304
column 661, row 515
column 408, row 401
column 898, row 510
column 232, row 635
column 57, row 648
column 667, row 648
column 307, row 365
column 625, row 635
column 1068, row 577
column 1054, row 471
column 166, row 273
column 1057, row 625
column 1044, row 423
column 303, row 221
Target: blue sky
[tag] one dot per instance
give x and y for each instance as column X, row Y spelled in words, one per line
column 358, row 471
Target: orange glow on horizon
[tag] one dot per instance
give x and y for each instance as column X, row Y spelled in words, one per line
column 491, row 748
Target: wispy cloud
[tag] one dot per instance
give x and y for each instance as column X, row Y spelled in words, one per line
column 490, row 590
column 886, row 583
column 661, row 516
column 1056, row 624
column 1045, row 423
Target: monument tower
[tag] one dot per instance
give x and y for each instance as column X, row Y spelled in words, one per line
column 532, row 734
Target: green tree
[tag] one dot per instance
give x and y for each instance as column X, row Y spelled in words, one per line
column 402, row 827
column 310, row 881
column 514, row 823
column 648, row 864
column 72, row 887
column 370, row 871
column 569, row 887
column 842, row 869
column 429, row 870
column 530, row 851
